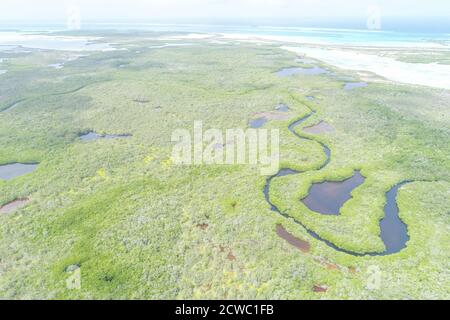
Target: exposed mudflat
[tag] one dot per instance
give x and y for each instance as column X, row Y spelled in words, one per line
column 12, row 206
column 302, row 245
column 273, row 116
column 321, row 127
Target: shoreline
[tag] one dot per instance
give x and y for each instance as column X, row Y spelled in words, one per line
column 348, row 57
column 310, row 40
column 424, row 74
column 341, row 54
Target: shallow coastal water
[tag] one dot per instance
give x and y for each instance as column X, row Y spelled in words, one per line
column 11, row 171
column 329, row 197
column 6, row 48
column 13, row 40
column 90, row 136
column 427, row 74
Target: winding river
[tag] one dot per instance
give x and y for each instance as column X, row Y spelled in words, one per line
column 17, row 102
column 394, row 232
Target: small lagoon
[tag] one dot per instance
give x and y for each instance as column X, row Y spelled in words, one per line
column 282, row 107
column 286, row 72
column 91, row 136
column 329, row 197
column 14, row 170
column 258, row 122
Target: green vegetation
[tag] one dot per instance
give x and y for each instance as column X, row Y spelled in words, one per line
column 140, row 227
column 439, row 58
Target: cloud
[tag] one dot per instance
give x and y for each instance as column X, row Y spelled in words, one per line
column 166, row 9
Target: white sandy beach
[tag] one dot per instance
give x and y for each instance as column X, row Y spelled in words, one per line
column 190, row 36
column 321, row 41
column 425, row 74
column 430, row 74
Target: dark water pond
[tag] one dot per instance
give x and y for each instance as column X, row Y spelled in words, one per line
column 11, row 171
column 329, row 197
column 303, row 71
column 394, row 232
column 90, row 136
column 258, row 122
column 282, row 107
column 355, row 85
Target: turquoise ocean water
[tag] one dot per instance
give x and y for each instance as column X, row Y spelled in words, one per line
column 308, row 35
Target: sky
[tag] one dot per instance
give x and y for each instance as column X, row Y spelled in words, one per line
column 296, row 12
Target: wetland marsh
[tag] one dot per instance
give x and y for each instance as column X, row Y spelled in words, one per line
column 364, row 177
